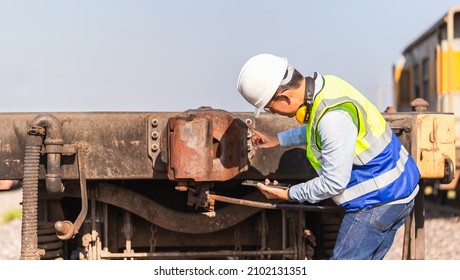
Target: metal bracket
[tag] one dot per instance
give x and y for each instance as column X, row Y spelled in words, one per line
column 65, row 229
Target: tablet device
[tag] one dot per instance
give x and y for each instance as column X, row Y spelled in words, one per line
column 254, row 183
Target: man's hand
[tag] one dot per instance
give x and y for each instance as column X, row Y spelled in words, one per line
column 262, row 140
column 273, row 193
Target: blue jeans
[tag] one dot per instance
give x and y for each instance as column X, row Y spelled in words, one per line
column 369, row 233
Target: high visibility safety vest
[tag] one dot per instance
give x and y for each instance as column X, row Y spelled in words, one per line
column 383, row 170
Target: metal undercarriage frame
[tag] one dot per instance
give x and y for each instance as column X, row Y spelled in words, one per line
column 85, row 167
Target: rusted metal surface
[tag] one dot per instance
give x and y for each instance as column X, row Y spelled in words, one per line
column 419, row 105
column 287, row 253
column 206, row 145
column 155, row 213
column 66, row 229
column 265, row 205
column 129, row 146
column 136, row 163
column 50, row 127
column 115, row 144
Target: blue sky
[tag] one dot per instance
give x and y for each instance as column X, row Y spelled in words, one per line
column 136, row 55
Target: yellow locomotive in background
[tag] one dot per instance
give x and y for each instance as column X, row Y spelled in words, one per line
column 430, row 69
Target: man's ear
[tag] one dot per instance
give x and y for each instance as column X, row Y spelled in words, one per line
column 286, row 96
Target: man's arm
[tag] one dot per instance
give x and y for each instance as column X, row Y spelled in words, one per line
column 338, row 136
column 293, row 137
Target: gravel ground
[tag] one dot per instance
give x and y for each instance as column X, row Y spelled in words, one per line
column 10, row 233
column 442, row 241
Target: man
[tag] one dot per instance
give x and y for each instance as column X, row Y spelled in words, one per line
column 360, row 162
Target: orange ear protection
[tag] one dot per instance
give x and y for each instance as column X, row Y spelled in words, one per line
column 303, row 113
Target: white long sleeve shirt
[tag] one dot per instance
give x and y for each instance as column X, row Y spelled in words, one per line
column 338, row 136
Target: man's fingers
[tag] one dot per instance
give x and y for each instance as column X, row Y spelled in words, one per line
column 252, row 128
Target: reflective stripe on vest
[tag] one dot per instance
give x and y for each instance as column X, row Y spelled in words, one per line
column 382, row 168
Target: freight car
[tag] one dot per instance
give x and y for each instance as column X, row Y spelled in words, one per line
column 429, row 68
column 162, row 185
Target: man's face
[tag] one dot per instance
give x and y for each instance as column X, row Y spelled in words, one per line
column 287, row 102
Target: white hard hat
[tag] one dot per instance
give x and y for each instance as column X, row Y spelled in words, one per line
column 259, row 79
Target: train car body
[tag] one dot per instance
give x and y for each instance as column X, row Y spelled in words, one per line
column 430, row 69
column 159, row 185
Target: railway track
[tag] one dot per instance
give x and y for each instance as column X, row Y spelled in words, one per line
column 442, row 209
